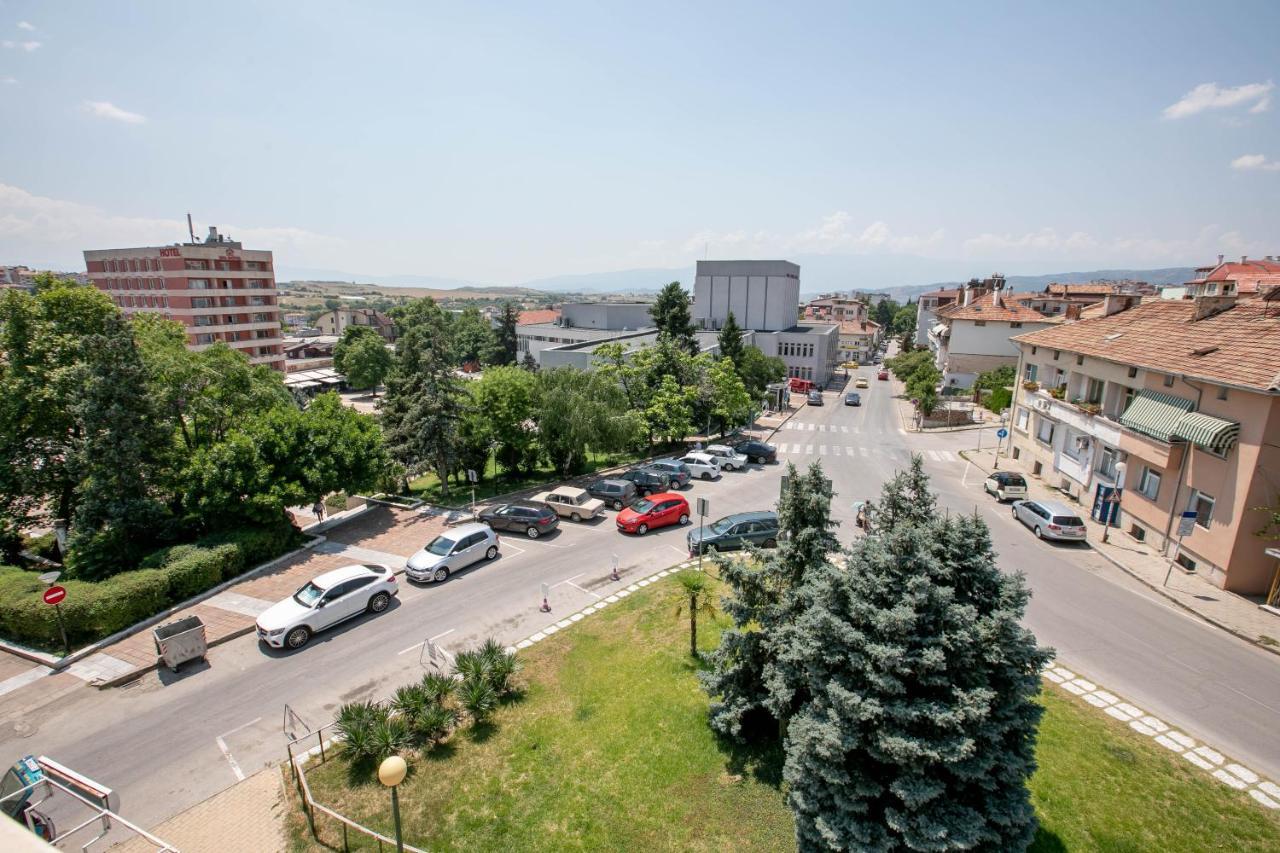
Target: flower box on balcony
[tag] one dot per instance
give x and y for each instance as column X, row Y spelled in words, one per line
column 1087, row 407
column 1058, row 393
column 1031, row 386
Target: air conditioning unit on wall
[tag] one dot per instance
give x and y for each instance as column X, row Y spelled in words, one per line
column 1041, row 404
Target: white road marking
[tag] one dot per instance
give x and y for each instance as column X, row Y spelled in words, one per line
column 587, row 591
column 788, row 425
column 424, row 642
column 567, row 580
column 506, row 544
column 811, row 426
column 226, row 753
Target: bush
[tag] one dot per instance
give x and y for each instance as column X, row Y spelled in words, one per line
column 90, row 611
column 127, row 598
column 201, row 568
column 388, row 737
column 257, row 544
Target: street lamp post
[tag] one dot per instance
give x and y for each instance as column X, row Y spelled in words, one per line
column 391, row 773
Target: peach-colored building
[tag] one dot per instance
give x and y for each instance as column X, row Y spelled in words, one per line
column 1175, row 404
column 1249, row 277
column 217, row 289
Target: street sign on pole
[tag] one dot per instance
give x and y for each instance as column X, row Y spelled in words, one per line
column 1187, row 523
column 704, row 506
column 1002, row 433
column 54, row 594
column 471, row 475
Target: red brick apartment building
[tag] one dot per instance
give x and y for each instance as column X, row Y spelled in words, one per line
column 218, row 290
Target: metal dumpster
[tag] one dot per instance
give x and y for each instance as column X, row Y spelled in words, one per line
column 181, row 641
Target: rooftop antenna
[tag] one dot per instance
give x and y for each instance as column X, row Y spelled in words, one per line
column 191, row 228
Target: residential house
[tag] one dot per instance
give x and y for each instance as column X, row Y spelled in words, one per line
column 859, row 340
column 1244, row 279
column 1175, row 404
column 927, row 311
column 973, row 335
column 335, row 322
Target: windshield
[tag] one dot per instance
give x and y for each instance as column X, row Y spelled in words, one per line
column 308, row 595
column 721, row 526
column 642, row 506
column 439, row 546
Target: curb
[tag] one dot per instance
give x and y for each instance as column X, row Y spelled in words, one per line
column 1235, row 632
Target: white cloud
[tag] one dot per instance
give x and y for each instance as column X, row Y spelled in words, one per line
column 835, row 233
column 37, row 228
column 1209, row 96
column 28, row 46
column 23, row 25
column 1255, row 162
column 8, row 80
column 108, row 110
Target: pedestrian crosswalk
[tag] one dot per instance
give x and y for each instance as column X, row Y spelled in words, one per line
column 812, row 427
column 898, row 454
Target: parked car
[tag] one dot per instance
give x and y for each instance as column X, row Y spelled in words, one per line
column 647, row 480
column 615, row 493
column 815, row 398
column 1006, row 486
column 571, row 502
column 883, row 376
column 758, row 451
column 531, row 519
column 853, row 398
column 452, row 551
column 661, row 510
column 321, row 603
column 702, row 465
column 730, row 459
column 675, row 469
column 735, row 531
column 1050, row 520
column 862, row 383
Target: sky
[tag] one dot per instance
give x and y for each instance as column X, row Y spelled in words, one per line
column 504, row 142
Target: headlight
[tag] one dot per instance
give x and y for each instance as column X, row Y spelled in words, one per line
column 276, row 633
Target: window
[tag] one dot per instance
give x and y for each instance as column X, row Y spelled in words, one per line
column 1015, row 325
column 1021, row 419
column 1133, row 371
column 1149, row 483
column 1138, row 532
column 1044, row 431
column 1056, row 353
column 1030, row 372
column 1129, row 394
column 1107, row 468
column 979, row 322
column 1186, row 562
column 1034, row 350
column 1222, row 393
column 1168, row 381
column 1203, row 505
column 198, row 284
column 1079, row 359
column 1093, row 392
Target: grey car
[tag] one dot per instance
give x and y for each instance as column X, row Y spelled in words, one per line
column 675, row 469
column 614, row 493
column 452, row 551
column 735, row 531
column 1050, row 520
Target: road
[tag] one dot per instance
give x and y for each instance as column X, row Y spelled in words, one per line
column 168, row 742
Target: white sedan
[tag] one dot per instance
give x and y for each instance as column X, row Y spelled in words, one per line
column 331, row 598
column 702, row 465
column 730, row 459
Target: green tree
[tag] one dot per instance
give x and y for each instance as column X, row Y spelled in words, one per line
column 670, row 411
column 672, row 317
column 350, row 336
column 920, row 734
column 331, row 304
column 694, row 597
column 367, row 363
column 758, row 371
column 508, row 341
column 423, row 405
column 883, row 313
column 473, row 338
column 579, row 411
column 762, row 601
column 730, row 404
column 731, row 345
column 504, row 402
column 904, row 326
column 998, row 386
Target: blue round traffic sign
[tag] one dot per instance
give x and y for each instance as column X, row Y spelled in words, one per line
column 1002, row 432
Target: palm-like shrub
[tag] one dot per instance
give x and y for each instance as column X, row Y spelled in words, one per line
column 478, row 697
column 411, row 702
column 356, row 721
column 438, row 686
column 388, row 737
column 470, row 666
column 434, row 724
column 500, row 666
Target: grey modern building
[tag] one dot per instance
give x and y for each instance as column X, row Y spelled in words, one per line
column 583, row 322
column 763, row 295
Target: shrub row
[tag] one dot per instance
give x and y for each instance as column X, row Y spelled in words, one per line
column 93, row 610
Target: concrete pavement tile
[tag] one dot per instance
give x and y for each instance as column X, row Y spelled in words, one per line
column 1086, row 686
column 1072, row 687
column 1109, row 698
column 1129, row 709
column 1179, row 737
column 1053, row 676
column 1212, row 756
column 1118, row 714
column 1264, row 799
column 100, row 667
column 16, row 682
column 563, row 623
column 1271, row 788
column 611, row 599
column 1155, row 723
column 1065, row 673
column 1227, row 779
column 1242, row 772
column 1169, row 743
column 1094, row 700
column 524, row 644
column 577, row 617
column 538, row 636
column 1142, row 729
column 1197, row 761
column 550, row 629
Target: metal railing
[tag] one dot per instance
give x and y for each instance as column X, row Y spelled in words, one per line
column 100, row 814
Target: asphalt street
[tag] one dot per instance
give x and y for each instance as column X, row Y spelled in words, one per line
column 167, row 742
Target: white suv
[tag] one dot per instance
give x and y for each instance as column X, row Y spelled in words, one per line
column 730, row 459
column 331, row 598
column 702, row 465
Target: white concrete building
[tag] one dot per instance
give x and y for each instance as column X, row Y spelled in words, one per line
column 763, row 295
column 974, row 335
column 583, row 322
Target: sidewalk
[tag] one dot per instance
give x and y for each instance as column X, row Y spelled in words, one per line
column 1228, row 611
column 248, row 817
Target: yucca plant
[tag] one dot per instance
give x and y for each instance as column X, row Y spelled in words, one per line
column 438, row 686
column 471, row 666
column 478, row 697
column 355, row 723
column 500, row 665
column 434, row 724
column 388, row 737
column 411, row 701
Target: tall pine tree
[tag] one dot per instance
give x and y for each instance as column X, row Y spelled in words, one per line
column 508, row 341
column 731, row 346
column 671, row 316
column 914, row 685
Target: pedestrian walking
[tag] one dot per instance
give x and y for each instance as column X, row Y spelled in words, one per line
column 318, row 510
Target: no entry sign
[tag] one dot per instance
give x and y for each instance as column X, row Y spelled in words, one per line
column 54, row 594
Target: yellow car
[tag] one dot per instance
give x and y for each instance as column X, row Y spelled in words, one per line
column 862, row 383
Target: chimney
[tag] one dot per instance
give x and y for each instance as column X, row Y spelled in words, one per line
column 1220, row 257
column 1114, row 303
column 1207, row 306
column 1244, row 259
column 1073, row 311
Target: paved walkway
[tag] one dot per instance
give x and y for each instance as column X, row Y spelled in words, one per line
column 248, row 817
column 1235, row 613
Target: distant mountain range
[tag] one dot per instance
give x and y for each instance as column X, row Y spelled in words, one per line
column 897, row 275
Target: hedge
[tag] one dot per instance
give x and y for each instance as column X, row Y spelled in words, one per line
column 96, row 609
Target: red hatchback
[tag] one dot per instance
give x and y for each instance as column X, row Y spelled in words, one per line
column 660, row 510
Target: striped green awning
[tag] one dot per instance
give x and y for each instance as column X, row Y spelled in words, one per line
column 1211, row 433
column 1155, row 414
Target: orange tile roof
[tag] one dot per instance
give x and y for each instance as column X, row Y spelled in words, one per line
column 1099, row 287
column 1240, row 270
column 1161, row 335
column 549, row 315
column 954, row 293
column 867, row 327
column 985, row 308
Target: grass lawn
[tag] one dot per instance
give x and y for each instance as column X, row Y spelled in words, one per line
column 500, row 482
column 609, row 749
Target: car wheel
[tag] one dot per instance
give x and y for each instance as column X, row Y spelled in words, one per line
column 706, row 475
column 576, row 517
column 379, row 602
column 298, row 637
column 1039, row 535
column 644, row 493
column 642, row 530
column 617, row 505
column 760, row 460
column 684, row 518
column 531, row 532
column 491, row 553
column 771, row 543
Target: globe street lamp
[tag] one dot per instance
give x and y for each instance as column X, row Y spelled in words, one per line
column 391, row 773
